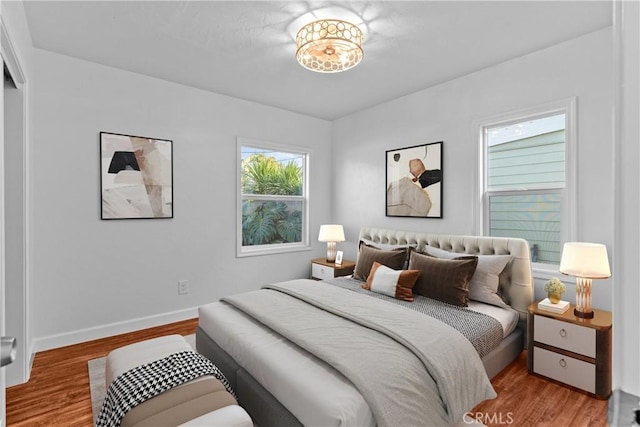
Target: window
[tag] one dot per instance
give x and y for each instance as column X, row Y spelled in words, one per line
column 527, row 179
column 273, row 199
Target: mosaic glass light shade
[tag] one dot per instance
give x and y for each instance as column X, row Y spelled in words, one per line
column 329, row 46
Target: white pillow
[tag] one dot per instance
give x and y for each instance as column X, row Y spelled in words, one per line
column 394, row 283
column 484, row 284
column 385, row 280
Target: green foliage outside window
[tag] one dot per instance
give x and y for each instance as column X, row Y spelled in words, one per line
column 268, row 221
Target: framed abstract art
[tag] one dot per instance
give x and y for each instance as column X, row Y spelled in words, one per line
column 136, row 177
column 414, row 181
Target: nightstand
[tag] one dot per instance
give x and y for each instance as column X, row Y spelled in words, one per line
column 571, row 350
column 321, row 269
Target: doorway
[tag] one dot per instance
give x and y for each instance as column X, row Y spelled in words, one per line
column 15, row 297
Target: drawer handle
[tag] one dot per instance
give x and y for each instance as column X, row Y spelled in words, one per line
column 563, row 333
column 563, row 363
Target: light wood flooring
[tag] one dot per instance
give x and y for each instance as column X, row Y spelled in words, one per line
column 529, row 400
column 58, row 392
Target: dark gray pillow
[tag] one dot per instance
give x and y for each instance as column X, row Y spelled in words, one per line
column 408, row 247
column 394, row 259
column 484, row 285
column 445, row 280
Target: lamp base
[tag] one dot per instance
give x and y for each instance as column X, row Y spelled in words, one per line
column 583, row 298
column 331, row 251
column 582, row 314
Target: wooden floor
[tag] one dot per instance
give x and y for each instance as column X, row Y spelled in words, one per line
column 527, row 400
column 58, row 392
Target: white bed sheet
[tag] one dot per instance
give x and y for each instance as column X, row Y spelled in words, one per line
column 287, row 372
column 507, row 317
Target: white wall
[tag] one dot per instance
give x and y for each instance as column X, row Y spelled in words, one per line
column 581, row 67
column 90, row 275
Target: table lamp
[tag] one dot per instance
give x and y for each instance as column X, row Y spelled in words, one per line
column 584, row 261
column 331, row 233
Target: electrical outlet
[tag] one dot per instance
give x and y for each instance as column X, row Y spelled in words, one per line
column 183, row 287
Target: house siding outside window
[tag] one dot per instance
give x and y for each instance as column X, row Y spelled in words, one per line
column 525, row 176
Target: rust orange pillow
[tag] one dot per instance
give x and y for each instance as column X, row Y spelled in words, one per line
column 395, row 283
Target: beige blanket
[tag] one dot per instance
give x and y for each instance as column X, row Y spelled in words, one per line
column 409, row 367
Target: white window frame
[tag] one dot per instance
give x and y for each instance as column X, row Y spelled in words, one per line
column 569, row 218
column 254, row 250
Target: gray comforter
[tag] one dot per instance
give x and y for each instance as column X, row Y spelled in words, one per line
column 484, row 332
column 408, row 367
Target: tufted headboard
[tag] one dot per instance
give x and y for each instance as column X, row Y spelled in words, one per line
column 516, row 281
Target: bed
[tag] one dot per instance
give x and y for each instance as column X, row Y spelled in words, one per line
column 284, row 379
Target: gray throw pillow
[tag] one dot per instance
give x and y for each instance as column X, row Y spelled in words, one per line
column 486, row 279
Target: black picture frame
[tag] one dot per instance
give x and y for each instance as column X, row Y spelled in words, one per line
column 136, row 177
column 414, row 178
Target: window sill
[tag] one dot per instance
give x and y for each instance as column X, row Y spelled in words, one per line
column 549, row 271
column 270, row 250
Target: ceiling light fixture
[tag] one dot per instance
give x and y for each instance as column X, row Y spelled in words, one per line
column 329, row 46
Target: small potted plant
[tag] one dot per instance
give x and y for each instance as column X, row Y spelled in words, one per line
column 554, row 289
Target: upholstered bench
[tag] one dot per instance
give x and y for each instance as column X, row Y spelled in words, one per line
column 203, row 401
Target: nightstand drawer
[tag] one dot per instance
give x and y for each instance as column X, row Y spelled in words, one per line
column 565, row 369
column 566, row 336
column 322, row 272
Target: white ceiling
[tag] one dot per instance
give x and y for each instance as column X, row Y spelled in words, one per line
column 247, row 49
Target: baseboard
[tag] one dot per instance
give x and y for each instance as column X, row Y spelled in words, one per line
column 97, row 332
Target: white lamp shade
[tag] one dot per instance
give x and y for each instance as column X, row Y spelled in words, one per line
column 587, row 260
column 331, row 233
